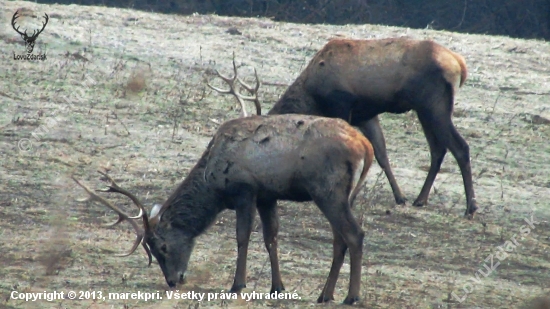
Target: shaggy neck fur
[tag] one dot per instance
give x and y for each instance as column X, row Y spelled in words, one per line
column 295, row 101
column 193, row 206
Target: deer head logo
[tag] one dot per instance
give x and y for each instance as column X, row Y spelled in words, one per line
column 29, row 40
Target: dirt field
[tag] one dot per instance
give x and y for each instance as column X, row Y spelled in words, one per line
column 125, row 91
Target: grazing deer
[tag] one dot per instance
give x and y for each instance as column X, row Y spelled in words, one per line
column 249, row 164
column 356, row 80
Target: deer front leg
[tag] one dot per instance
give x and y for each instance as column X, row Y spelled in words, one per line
column 372, row 130
column 244, row 207
column 270, row 223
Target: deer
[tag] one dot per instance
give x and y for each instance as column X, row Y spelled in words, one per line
column 357, row 80
column 250, row 164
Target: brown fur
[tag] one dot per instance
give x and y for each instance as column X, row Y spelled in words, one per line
column 463, row 68
column 356, row 80
column 253, row 162
column 541, row 302
column 249, row 164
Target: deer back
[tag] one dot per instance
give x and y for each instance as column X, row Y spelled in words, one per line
column 278, row 153
column 378, row 68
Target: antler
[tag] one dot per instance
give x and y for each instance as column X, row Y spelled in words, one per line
column 240, row 97
column 113, row 187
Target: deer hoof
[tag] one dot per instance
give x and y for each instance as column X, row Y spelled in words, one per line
column 420, row 203
column 472, row 208
column 400, row 200
column 351, row 300
column 278, row 289
column 324, row 298
column 236, row 288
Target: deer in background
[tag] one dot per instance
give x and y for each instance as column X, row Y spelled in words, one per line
column 249, row 164
column 356, row 80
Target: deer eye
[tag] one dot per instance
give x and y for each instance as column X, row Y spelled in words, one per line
column 163, row 248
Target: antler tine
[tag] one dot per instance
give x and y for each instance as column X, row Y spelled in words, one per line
column 254, row 92
column 239, row 96
column 231, row 90
column 121, row 214
column 229, row 80
column 114, row 187
column 150, row 256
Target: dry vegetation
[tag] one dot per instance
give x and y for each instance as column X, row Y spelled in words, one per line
column 124, row 91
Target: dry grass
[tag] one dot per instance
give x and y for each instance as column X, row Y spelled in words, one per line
column 125, row 91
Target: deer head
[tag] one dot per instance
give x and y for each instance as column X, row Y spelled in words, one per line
column 29, row 40
column 170, row 246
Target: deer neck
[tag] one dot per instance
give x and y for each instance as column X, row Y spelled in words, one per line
column 194, row 205
column 295, row 100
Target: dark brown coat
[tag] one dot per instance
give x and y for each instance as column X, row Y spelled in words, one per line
column 249, row 164
column 356, row 80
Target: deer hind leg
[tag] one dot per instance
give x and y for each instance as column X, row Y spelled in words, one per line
column 347, row 234
column 441, row 133
column 270, row 222
column 350, row 236
column 438, row 149
column 244, row 205
column 372, row 130
column 332, row 189
column 461, row 151
column 339, row 249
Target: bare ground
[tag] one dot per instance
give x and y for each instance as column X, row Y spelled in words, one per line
column 125, row 91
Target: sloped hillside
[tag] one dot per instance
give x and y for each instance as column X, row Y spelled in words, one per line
column 125, row 91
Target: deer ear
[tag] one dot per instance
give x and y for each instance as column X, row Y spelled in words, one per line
column 155, row 210
column 154, row 216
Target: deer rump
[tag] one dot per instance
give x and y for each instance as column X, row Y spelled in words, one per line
column 285, row 156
